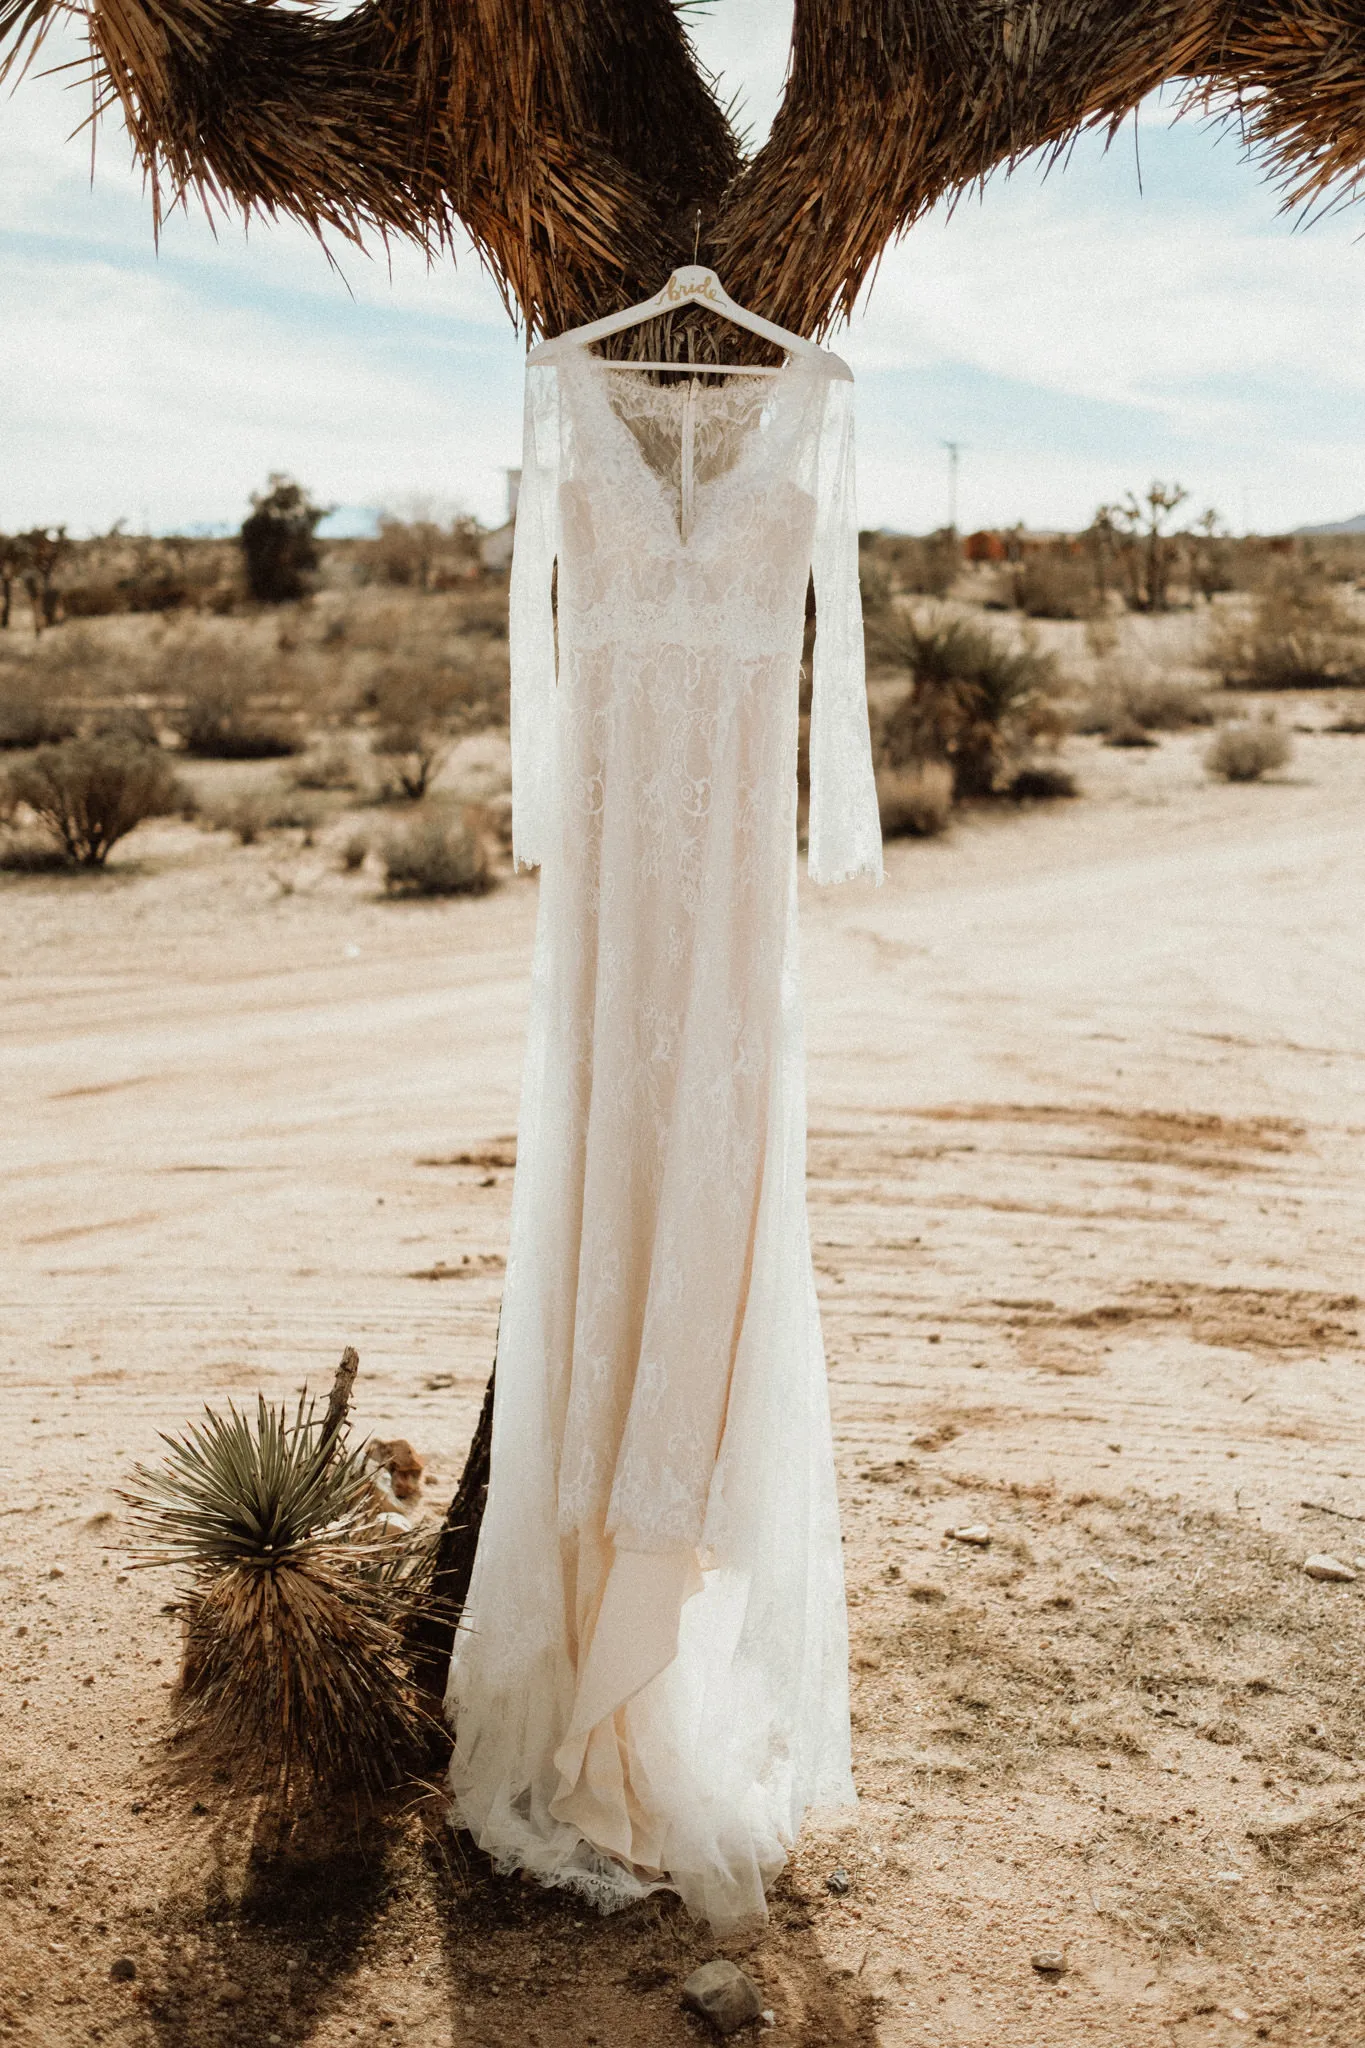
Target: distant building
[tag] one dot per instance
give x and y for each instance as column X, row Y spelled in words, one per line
column 1012, row 543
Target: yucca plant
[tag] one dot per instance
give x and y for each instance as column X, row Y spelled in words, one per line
column 296, row 1590
column 973, row 701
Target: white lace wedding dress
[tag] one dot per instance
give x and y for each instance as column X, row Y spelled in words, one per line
column 650, row 1685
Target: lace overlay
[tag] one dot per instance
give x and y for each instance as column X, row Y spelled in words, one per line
column 651, row 1684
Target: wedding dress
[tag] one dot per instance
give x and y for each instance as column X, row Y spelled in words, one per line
column 650, row 1684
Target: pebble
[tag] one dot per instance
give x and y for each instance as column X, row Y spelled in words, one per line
column 58, row 1571
column 977, row 1534
column 723, row 1994
column 1322, row 1565
column 231, row 1994
column 837, row 1882
column 123, row 1970
column 1050, row 1962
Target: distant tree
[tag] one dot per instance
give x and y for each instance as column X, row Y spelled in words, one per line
column 1210, row 556
column 279, row 541
column 11, row 562
column 33, row 559
column 1148, row 551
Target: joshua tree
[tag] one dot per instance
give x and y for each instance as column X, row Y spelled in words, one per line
column 34, row 558
column 1147, row 548
column 585, row 153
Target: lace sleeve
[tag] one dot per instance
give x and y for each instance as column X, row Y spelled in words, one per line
column 845, row 830
column 531, row 625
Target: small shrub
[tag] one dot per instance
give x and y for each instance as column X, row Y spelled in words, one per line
column 216, row 722
column 1349, row 720
column 482, row 608
column 123, row 722
column 1166, row 704
column 31, row 853
column 250, row 813
column 436, row 855
column 89, row 794
column 907, row 564
column 1244, row 753
column 31, row 717
column 1042, row 785
column 423, row 705
column 1055, row 587
column 1128, row 733
column 1301, row 636
column 917, row 801
column 354, row 853
column 332, row 766
column 1150, row 702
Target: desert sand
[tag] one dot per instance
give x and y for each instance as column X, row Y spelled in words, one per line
column 1087, row 1103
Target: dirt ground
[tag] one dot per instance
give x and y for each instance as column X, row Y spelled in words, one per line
column 1087, row 1097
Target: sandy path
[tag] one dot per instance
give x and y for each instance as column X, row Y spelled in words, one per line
column 1087, row 1090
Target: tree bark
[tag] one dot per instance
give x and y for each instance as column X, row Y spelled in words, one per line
column 432, row 1631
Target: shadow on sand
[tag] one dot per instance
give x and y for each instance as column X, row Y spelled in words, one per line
column 408, row 1935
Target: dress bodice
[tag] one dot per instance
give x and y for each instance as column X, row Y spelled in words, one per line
column 690, row 517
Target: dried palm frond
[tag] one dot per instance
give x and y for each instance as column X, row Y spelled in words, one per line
column 295, row 1597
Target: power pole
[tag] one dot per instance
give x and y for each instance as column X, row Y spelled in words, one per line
column 954, row 451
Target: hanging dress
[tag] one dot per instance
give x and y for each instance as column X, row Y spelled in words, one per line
column 649, row 1686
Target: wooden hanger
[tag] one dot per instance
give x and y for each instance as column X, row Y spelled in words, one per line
column 693, row 285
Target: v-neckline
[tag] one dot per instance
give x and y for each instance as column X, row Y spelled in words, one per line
column 594, row 367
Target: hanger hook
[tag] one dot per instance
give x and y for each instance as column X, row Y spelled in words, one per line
column 696, row 236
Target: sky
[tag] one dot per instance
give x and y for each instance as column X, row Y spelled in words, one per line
column 1146, row 312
